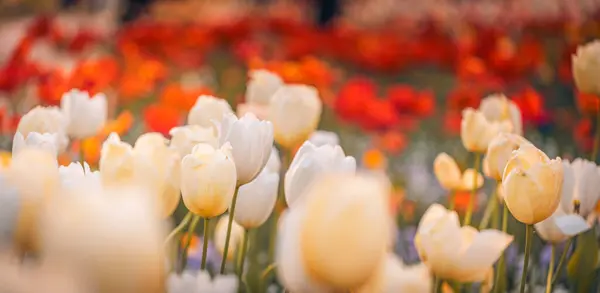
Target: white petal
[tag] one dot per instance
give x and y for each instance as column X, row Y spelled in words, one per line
column 571, row 224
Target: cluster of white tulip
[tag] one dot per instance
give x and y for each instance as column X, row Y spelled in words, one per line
column 557, row 197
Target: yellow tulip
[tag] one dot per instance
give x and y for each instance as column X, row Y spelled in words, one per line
column 499, row 152
column 451, row 178
column 586, row 67
column 476, row 131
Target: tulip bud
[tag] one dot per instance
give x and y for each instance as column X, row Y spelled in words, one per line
column 251, row 141
column 157, row 168
column 46, row 120
column 295, row 111
column 448, row 174
column 116, row 161
column 255, row 200
column 499, row 152
column 262, row 86
column 46, row 141
column 76, row 176
column 207, row 109
column 184, row 138
column 476, row 131
column 274, row 163
column 498, row 108
column 586, row 68
column 237, row 236
column 312, row 162
column 208, row 180
column 321, row 137
column 532, row 184
column 86, row 115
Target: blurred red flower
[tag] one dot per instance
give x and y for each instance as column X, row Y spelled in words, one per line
column 161, row 118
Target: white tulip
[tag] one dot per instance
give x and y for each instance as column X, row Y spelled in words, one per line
column 476, row 131
column 45, row 141
column 251, row 141
column 208, row 180
column 560, row 226
column 312, row 162
column 262, row 86
column 321, row 137
column 184, row 138
column 394, row 276
column 86, row 115
column 201, row 282
column 260, row 111
column 499, row 152
column 237, row 236
column 457, row 253
column 113, row 228
column 116, row 161
column 75, row 176
column 46, row 120
column 256, row 200
column 206, row 109
column 295, row 111
column 498, row 108
column 586, row 67
column 274, row 163
column 157, row 168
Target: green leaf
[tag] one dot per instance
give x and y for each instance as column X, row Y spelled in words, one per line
column 580, row 269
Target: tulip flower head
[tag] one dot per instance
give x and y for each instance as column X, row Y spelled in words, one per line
column 500, row 151
column 586, row 68
column 86, row 116
column 45, row 141
column 206, row 109
column 76, row 176
column 184, row 138
column 262, row 86
column 116, row 161
column 451, row 178
column 237, row 236
column 46, row 120
column 498, row 108
column 321, row 137
column 256, row 199
column 476, row 131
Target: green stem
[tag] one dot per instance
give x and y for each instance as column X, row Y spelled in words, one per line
column 491, row 207
column 596, row 138
column 451, row 200
column 229, row 225
column 550, row 270
column 501, row 263
column 469, row 213
column 178, row 229
column 286, row 159
column 205, row 244
column 562, row 259
column 528, row 241
column 437, row 285
column 243, row 257
column 190, row 234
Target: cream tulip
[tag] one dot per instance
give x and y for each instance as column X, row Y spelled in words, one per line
column 208, row 180
column 157, row 168
column 116, row 161
column 321, row 137
column 309, row 164
column 113, row 229
column 393, row 276
column 457, row 253
column 251, row 141
column 476, row 131
column 450, row 177
column 45, row 141
column 46, row 120
column 262, row 86
column 260, row 111
column 184, row 138
column 498, row 108
column 206, row 109
column 532, row 184
column 274, row 163
column 561, row 226
column 235, row 242
column 78, row 177
column 586, row 67
column 256, row 200
column 295, row 111
column 499, row 152
column 34, row 174
column 86, row 115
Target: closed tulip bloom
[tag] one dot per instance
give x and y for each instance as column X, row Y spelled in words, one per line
column 46, row 120
column 256, row 200
column 451, row 178
column 76, row 176
column 321, row 137
column 312, row 162
column 499, row 152
column 532, row 184
column 476, row 131
column 237, row 235
column 208, row 180
column 116, row 161
column 274, row 163
column 586, row 67
column 251, row 141
column 114, row 229
column 34, row 174
column 207, row 109
column 262, row 86
column 457, row 253
column 184, row 138
column 157, row 168
column 498, row 108
column 295, row 111
column 45, row 141
column 86, row 115
column 394, row 276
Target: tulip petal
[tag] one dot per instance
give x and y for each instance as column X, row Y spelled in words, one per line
column 486, row 247
column 571, row 224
